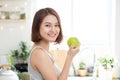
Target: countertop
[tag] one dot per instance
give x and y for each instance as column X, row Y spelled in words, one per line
column 79, row 78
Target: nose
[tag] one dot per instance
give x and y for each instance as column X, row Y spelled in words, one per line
column 53, row 28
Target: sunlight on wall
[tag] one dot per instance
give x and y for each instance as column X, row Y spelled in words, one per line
column 95, row 24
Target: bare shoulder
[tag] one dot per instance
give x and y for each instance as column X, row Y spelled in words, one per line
column 38, row 58
column 38, row 54
column 40, row 61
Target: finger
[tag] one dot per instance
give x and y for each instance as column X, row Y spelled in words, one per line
column 72, row 46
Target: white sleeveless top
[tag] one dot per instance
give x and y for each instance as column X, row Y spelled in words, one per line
column 35, row 75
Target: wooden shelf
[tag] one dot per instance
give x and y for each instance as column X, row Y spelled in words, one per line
column 13, row 0
column 12, row 20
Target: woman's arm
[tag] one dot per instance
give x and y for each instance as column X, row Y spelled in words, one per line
column 43, row 64
column 71, row 53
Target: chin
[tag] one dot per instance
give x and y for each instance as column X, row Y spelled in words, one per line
column 52, row 40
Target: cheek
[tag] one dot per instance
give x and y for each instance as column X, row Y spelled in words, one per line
column 58, row 30
column 42, row 30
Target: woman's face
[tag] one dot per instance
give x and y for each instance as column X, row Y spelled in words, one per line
column 49, row 28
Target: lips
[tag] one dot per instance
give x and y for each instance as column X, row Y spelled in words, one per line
column 52, row 35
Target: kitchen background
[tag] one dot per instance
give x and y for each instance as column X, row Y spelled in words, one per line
column 95, row 22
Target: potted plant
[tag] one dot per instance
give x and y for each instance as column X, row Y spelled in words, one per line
column 105, row 71
column 107, row 63
column 82, row 71
column 20, row 55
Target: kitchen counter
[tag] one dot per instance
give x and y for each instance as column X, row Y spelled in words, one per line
column 80, row 78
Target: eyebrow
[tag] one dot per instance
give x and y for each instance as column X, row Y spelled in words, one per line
column 50, row 23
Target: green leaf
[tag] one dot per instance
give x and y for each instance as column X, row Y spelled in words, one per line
column 11, row 60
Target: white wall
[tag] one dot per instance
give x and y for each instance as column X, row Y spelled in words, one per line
column 117, row 38
column 117, row 29
column 12, row 32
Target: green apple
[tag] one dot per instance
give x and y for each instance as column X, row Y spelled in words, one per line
column 74, row 41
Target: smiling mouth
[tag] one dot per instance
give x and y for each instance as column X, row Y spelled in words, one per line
column 52, row 35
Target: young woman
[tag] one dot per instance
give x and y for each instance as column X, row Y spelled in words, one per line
column 46, row 28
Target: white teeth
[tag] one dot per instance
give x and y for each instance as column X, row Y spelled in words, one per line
column 52, row 35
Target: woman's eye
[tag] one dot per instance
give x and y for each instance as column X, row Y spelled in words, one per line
column 47, row 25
column 57, row 25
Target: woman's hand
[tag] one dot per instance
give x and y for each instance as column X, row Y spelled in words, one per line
column 73, row 51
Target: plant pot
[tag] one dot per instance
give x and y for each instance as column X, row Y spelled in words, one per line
column 105, row 74
column 22, row 67
column 82, row 72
